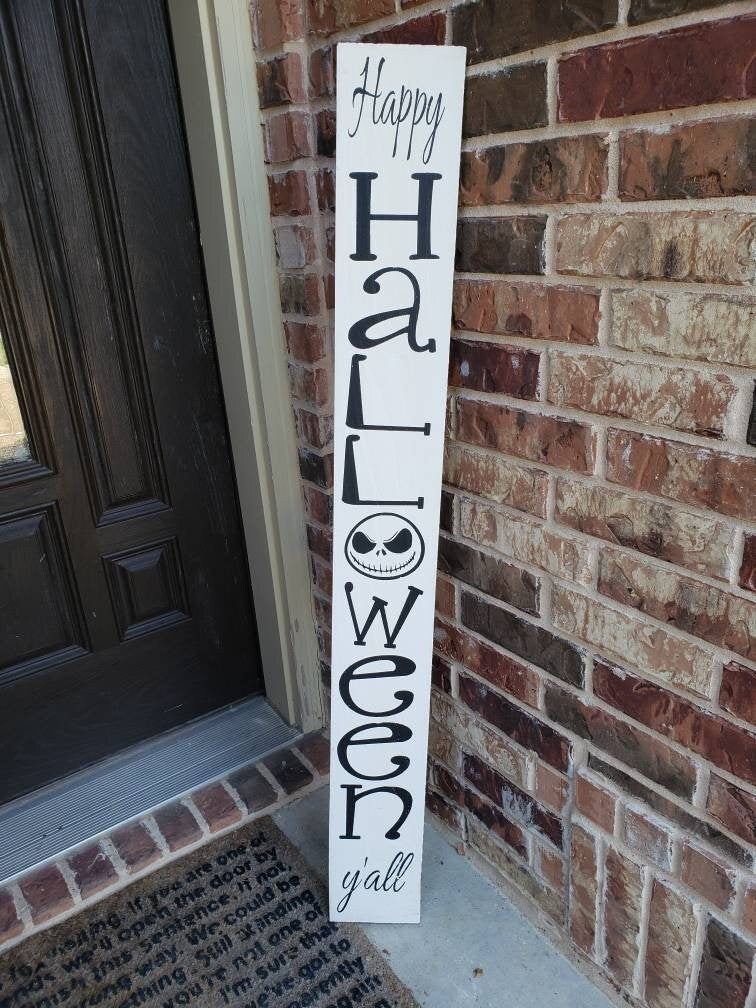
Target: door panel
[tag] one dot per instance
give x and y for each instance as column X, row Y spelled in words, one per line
column 125, row 606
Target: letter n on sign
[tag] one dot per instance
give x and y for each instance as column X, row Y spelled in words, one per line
column 399, row 116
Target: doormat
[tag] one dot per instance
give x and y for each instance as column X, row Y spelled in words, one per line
column 241, row 922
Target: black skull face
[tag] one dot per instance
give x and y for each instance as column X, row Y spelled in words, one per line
column 384, row 546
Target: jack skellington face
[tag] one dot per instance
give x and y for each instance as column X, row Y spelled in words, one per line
column 385, row 547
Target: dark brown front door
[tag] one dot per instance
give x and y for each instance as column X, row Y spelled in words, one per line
column 125, row 606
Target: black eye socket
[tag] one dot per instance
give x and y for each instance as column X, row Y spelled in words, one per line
column 400, row 543
column 361, row 543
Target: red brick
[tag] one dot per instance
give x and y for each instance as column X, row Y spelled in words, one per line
column 279, row 80
column 496, row 478
column 692, row 161
column 10, row 925
column 733, row 807
column 491, row 367
column 288, row 770
column 287, row 137
column 316, row 468
column 698, row 608
column 747, row 576
column 549, row 865
column 490, row 574
column 595, row 803
column 289, row 194
column 707, row 876
column 320, row 541
column 530, row 310
column 671, row 934
column 564, row 170
column 325, row 187
column 135, row 846
column 501, row 244
column 724, row 976
column 445, row 598
column 493, row 28
column 300, row 295
column 325, row 133
column 305, row 342
column 329, row 16
column 317, row 749
column 178, row 825
column 309, row 385
column 323, row 72
column 430, row 29
column 582, row 889
column 551, row 788
column 738, row 691
column 314, row 428
column 276, row 21
column 669, row 397
column 442, row 810
column 92, row 869
column 511, row 99
column 622, row 916
column 567, row 444
column 216, row 806
column 253, row 789
column 685, row 473
column 496, row 823
column 318, row 505
column 46, row 892
column 696, row 65
column 648, row 838
column 749, row 908
column 501, row 671
column 726, row 745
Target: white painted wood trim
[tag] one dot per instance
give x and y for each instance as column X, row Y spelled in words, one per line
column 217, row 77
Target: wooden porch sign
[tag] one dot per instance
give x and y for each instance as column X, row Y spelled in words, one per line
column 399, row 114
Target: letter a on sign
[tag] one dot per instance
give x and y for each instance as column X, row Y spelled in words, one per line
column 399, row 116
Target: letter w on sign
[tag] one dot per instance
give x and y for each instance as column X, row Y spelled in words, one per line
column 399, row 116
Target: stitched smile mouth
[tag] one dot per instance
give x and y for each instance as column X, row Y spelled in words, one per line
column 377, row 569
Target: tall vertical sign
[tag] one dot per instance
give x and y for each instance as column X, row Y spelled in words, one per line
column 399, row 115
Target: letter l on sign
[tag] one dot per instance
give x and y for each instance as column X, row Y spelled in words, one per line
column 399, row 118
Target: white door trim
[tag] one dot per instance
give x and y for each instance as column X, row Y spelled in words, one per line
column 217, row 78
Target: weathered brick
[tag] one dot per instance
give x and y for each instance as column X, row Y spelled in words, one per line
column 696, row 160
column 692, row 245
column 733, row 807
column 458, row 721
column 533, row 643
column 441, row 674
column 525, row 540
column 496, row 478
column 749, row 908
column 626, row 743
column 280, row 81
column 178, row 825
column 502, row 671
column 46, row 892
column 329, row 16
column 595, row 803
column 700, row 609
column 92, row 870
column 491, row 367
column 707, row 327
column 522, row 728
column 582, row 889
column 135, row 846
column 253, row 789
column 695, row 65
column 310, row 385
column 446, row 598
column 491, row 575
column 275, row 22
column 668, row 397
column 497, row 823
column 530, row 310
column 287, row 137
column 325, row 187
column 747, row 574
column 288, row 770
column 724, row 977
column 501, row 245
column 317, row 749
column 549, row 865
column 515, row 803
column 295, row 246
column 325, row 133
column 305, row 342
column 649, row 10
column 551, row 788
column 216, row 806
column 446, row 512
column 669, row 533
column 648, row 837
column 738, row 691
column 320, row 541
column 493, row 28
column 322, row 72
column 686, row 473
column 442, row 810
column 671, row 934
column 10, row 925
column 430, row 29
column 300, row 295
column 622, row 904
column 511, row 99
column 707, row 876
column 564, row 170
column 289, row 194
column 645, row 645
column 567, row 444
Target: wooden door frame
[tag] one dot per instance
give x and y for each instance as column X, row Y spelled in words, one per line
column 217, row 79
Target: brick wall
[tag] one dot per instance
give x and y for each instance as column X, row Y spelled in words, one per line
column 594, row 690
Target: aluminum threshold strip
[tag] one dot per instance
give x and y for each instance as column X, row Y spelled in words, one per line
column 46, row 822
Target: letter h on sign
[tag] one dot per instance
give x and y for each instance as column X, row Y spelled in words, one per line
column 399, row 115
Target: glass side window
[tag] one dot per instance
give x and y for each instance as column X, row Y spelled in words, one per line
column 14, row 444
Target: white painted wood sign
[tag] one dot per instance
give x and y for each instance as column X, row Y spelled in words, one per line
column 399, row 115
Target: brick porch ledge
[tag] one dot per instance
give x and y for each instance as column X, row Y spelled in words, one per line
column 85, row 874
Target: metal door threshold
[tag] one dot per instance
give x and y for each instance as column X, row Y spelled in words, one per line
column 45, row 823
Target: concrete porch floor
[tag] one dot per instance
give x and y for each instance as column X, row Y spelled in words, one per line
column 467, row 925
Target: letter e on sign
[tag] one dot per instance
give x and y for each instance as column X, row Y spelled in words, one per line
column 399, row 121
